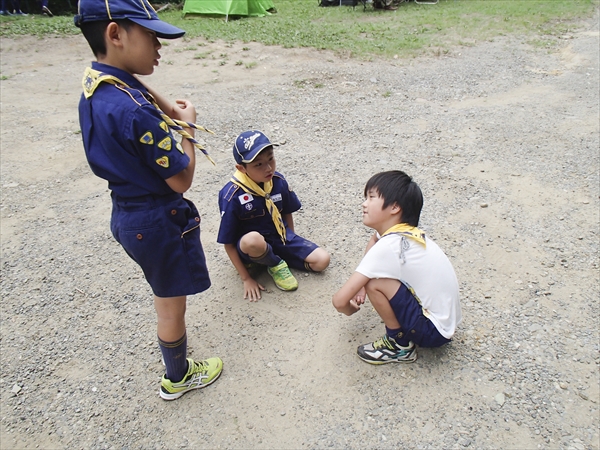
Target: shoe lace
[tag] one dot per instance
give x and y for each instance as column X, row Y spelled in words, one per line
column 200, row 367
column 284, row 273
column 383, row 341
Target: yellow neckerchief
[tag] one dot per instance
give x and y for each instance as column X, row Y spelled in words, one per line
column 407, row 230
column 249, row 186
column 92, row 79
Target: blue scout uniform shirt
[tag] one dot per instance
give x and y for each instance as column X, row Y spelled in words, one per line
column 242, row 212
column 126, row 141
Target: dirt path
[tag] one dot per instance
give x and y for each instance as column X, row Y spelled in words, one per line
column 502, row 138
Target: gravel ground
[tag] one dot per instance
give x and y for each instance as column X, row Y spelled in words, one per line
column 503, row 139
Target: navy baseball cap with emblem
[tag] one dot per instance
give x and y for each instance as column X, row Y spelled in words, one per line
column 138, row 11
column 248, row 145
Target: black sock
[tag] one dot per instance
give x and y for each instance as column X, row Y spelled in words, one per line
column 174, row 355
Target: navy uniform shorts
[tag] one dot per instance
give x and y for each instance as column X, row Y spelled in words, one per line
column 162, row 235
column 414, row 325
column 294, row 252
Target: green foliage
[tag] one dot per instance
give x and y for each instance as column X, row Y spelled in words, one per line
column 408, row 31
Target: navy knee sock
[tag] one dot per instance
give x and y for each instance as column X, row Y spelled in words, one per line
column 268, row 258
column 174, row 355
column 397, row 335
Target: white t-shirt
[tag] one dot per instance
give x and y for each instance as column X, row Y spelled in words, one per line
column 426, row 269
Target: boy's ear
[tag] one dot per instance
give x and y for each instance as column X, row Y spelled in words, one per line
column 241, row 168
column 113, row 35
column 396, row 209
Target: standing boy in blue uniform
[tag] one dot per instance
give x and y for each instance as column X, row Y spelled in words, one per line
column 128, row 143
column 408, row 278
column 257, row 226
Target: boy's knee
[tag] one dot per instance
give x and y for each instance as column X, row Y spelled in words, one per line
column 318, row 260
column 253, row 242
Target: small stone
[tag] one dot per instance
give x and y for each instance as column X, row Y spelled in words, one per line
column 563, row 385
column 484, row 205
column 16, row 389
column 373, row 80
column 499, row 399
column 282, row 413
column 582, row 395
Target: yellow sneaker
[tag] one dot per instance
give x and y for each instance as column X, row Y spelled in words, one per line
column 282, row 277
column 199, row 375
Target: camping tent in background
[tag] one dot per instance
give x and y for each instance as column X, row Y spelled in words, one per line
column 257, row 8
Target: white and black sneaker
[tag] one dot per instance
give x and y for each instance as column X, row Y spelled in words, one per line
column 386, row 350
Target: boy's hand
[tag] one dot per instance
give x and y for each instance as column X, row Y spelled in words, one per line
column 252, row 290
column 360, row 297
column 184, row 110
column 353, row 307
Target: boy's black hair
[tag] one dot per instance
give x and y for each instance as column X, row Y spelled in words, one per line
column 396, row 187
column 94, row 33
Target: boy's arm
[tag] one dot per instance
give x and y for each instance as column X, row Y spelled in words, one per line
column 352, row 294
column 289, row 220
column 344, row 299
column 251, row 287
column 181, row 110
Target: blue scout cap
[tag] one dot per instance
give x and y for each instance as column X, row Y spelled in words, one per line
column 248, row 145
column 138, row 11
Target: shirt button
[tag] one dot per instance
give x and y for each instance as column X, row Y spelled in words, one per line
column 139, row 236
column 412, row 331
column 400, row 334
column 173, row 212
column 197, row 219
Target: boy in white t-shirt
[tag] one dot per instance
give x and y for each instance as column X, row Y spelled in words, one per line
column 407, row 277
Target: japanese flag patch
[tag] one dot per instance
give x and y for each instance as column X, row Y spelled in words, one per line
column 245, row 198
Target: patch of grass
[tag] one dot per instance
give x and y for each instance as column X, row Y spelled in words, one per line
column 239, row 63
column 250, row 65
column 4, row 77
column 202, row 55
column 387, row 94
column 409, row 31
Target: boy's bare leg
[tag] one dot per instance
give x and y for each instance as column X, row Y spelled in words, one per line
column 253, row 244
column 318, row 260
column 171, row 317
column 380, row 291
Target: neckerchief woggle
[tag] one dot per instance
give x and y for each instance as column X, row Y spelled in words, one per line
column 250, row 187
column 92, row 79
column 409, row 231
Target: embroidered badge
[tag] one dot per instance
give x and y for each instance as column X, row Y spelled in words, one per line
column 245, row 198
column 163, row 162
column 147, row 138
column 165, row 144
column 276, row 197
column 163, row 126
column 179, row 147
column 248, row 206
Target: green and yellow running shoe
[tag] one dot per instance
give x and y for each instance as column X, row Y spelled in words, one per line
column 199, row 375
column 282, row 277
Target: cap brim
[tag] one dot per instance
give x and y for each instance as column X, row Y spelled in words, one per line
column 162, row 29
column 252, row 156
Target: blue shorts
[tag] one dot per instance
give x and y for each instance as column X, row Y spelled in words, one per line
column 294, row 252
column 414, row 326
column 162, row 235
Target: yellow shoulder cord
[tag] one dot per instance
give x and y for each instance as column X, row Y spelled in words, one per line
column 92, row 79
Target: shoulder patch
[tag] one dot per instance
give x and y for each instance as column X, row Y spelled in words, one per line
column 165, row 144
column 179, row 147
column 163, row 126
column 245, row 198
column 147, row 138
column 163, row 162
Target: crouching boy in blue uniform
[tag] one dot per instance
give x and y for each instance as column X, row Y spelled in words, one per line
column 257, row 226
column 128, row 142
column 407, row 277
